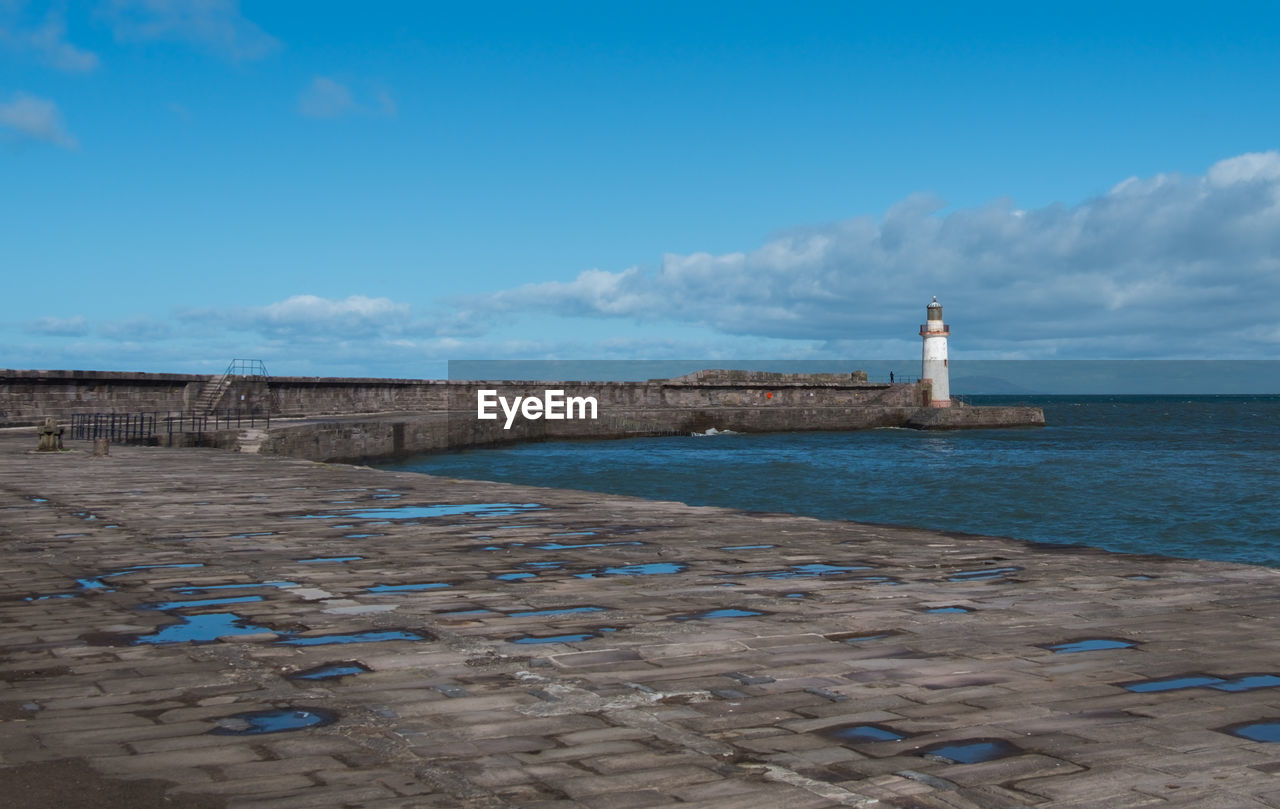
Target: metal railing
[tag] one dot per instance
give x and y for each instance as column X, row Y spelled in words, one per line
column 246, row 368
column 140, row 427
column 213, row 392
column 896, row 378
column 117, row 427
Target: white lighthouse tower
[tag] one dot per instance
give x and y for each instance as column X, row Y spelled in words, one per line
column 934, row 364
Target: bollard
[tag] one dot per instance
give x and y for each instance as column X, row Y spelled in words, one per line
column 101, row 447
column 50, row 436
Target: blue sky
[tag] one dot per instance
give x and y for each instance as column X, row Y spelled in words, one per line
column 374, row 189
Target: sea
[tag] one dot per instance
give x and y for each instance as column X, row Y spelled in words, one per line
column 1185, row 476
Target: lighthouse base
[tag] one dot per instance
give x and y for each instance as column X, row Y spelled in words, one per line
column 975, row 418
column 940, row 403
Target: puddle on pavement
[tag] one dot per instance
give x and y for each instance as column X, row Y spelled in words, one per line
column 559, row 546
column 650, row 569
column 320, row 560
column 972, row 751
column 1140, row 577
column 38, row 500
column 1248, row 682
column 426, row 512
column 361, row 536
column 514, row 576
column 1267, row 731
column 506, row 547
column 204, row 602
column 205, row 628
column 256, row 723
column 948, row 610
column 1173, row 684
column 711, row 615
column 795, row 595
column 1236, row 684
column 569, row 638
column 984, row 573
column 1089, row 645
column 857, row 734
column 253, row 534
column 550, row 612
column 66, row 536
column 573, row 534
column 545, row 565
column 373, row 636
column 97, row 583
column 403, row 588
column 745, row 547
column 331, row 671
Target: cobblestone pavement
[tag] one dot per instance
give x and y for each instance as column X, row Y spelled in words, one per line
column 196, row 627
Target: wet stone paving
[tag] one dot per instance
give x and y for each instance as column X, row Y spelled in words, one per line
column 247, row 631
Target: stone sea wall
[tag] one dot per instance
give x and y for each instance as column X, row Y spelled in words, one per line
column 27, row 397
column 332, row 419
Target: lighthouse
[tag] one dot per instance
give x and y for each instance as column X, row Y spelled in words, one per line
column 934, row 363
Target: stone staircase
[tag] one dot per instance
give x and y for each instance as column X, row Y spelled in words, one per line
column 211, row 394
column 250, row 440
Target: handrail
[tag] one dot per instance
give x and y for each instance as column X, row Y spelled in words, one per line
column 246, row 368
column 123, row 427
column 237, row 367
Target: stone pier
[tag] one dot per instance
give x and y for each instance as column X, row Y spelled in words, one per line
column 189, row 627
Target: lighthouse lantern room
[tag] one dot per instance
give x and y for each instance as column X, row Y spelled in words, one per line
column 934, row 363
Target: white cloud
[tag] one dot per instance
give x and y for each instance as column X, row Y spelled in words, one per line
column 135, row 330
column 75, row 326
column 328, row 98
column 1166, row 265
column 37, row 119
column 356, row 314
column 317, row 320
column 1258, row 166
column 45, row 40
column 216, row 25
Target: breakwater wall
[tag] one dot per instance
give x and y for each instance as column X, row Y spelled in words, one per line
column 388, row 436
column 27, row 397
column 357, row 419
